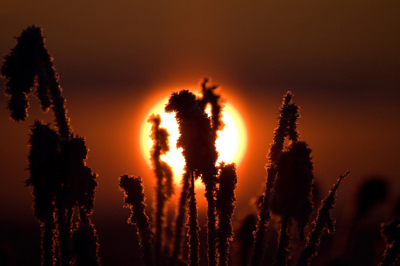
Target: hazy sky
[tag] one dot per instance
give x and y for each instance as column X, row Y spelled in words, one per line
column 115, row 58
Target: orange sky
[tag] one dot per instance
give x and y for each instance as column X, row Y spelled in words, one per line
column 340, row 60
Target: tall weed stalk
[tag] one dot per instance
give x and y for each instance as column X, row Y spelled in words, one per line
column 59, row 172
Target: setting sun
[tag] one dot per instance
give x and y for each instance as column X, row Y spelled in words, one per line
column 231, row 143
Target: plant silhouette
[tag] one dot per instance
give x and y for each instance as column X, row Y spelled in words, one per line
column 44, row 180
column 391, row 234
column 163, row 172
column 180, row 219
column 225, row 207
column 193, row 224
column 289, row 191
column 134, row 199
column 58, row 172
column 198, row 143
column 62, row 183
column 286, row 128
column 323, row 222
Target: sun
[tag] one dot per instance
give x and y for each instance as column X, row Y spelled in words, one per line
column 231, row 142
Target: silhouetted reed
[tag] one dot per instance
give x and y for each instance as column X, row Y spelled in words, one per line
column 195, row 138
column 216, row 102
column 42, row 165
column 85, row 245
column 164, row 184
column 134, row 199
column 286, row 128
column 198, row 143
column 180, row 219
column 29, row 67
column 60, row 181
column 19, row 69
column 225, row 204
column 324, row 222
column 193, row 225
column 293, row 187
column 292, row 191
column 30, row 59
column 391, row 234
column 283, row 253
column 292, row 194
column 209, row 97
column 77, row 190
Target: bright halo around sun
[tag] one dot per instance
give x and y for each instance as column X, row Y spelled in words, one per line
column 231, row 142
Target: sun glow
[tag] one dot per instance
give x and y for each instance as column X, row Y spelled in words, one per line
column 231, row 142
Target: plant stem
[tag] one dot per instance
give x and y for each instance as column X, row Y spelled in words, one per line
column 193, row 233
column 283, row 247
column 180, row 218
column 48, row 241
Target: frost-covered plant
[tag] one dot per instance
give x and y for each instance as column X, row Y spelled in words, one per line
column 198, row 143
column 286, row 128
column 225, row 207
column 164, row 176
column 134, row 199
column 324, row 222
column 28, row 68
